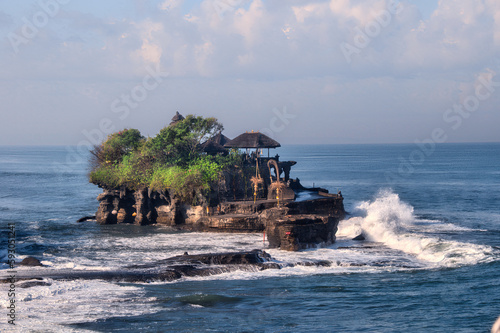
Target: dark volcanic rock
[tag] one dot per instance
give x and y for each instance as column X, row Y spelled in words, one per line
column 33, row 283
column 332, row 206
column 86, row 218
column 231, row 258
column 293, row 226
column 165, row 270
column 254, row 257
column 296, row 232
column 30, row 261
column 169, row 269
column 359, row 237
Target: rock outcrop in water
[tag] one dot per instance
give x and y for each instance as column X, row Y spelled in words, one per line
column 175, row 180
column 169, row 269
column 292, row 226
column 30, row 261
column 164, row 270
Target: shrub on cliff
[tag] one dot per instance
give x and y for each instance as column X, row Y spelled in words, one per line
column 105, row 176
column 135, row 171
column 116, row 146
column 171, row 160
column 182, row 183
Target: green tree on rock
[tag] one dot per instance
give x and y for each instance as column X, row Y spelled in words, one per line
column 172, row 160
column 178, row 144
column 117, row 145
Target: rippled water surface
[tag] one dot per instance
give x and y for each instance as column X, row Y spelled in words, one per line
column 430, row 262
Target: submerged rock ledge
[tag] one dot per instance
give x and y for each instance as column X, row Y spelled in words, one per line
column 165, row 270
column 175, row 268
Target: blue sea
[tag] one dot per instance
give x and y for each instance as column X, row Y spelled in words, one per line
column 430, row 262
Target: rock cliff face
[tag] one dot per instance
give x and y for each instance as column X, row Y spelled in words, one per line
column 293, row 225
column 293, row 233
column 140, row 207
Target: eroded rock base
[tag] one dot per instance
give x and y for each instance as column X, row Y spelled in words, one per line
column 290, row 225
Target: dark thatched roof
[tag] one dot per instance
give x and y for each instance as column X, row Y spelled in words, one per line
column 220, row 139
column 252, row 140
column 176, row 118
column 216, row 144
column 212, row 147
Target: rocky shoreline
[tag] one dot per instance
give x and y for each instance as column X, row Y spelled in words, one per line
column 192, row 177
column 290, row 224
column 166, row 270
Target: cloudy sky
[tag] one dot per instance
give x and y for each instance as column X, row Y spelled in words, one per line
column 338, row 71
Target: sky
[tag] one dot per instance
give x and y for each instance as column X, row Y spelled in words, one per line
column 324, row 71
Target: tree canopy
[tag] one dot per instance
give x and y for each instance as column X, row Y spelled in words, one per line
column 172, row 160
column 177, row 144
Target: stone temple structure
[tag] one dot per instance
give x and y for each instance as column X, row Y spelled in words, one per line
column 291, row 216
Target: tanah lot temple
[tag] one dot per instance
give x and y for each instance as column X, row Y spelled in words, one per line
column 269, row 201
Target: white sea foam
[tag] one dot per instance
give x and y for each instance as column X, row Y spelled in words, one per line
column 389, row 246
column 116, row 251
column 437, row 226
column 396, row 240
column 389, row 221
column 51, row 308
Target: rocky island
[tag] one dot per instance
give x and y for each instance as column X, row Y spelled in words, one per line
column 190, row 176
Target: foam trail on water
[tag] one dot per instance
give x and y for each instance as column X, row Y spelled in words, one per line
column 51, row 308
column 390, row 221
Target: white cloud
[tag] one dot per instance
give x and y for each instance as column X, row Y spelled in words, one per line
column 202, row 54
column 309, row 11
column 291, row 48
column 168, row 5
column 362, row 12
column 150, row 51
column 268, row 39
column 251, row 23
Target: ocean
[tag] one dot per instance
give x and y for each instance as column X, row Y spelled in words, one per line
column 430, row 262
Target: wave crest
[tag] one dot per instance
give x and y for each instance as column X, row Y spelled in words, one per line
column 390, row 221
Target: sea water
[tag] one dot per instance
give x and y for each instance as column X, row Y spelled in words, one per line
column 430, row 261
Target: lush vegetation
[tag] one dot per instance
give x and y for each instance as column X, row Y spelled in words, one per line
column 172, row 160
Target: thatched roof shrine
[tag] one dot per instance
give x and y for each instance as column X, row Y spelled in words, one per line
column 215, row 144
column 252, row 140
column 221, row 139
column 211, row 147
column 176, row 118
